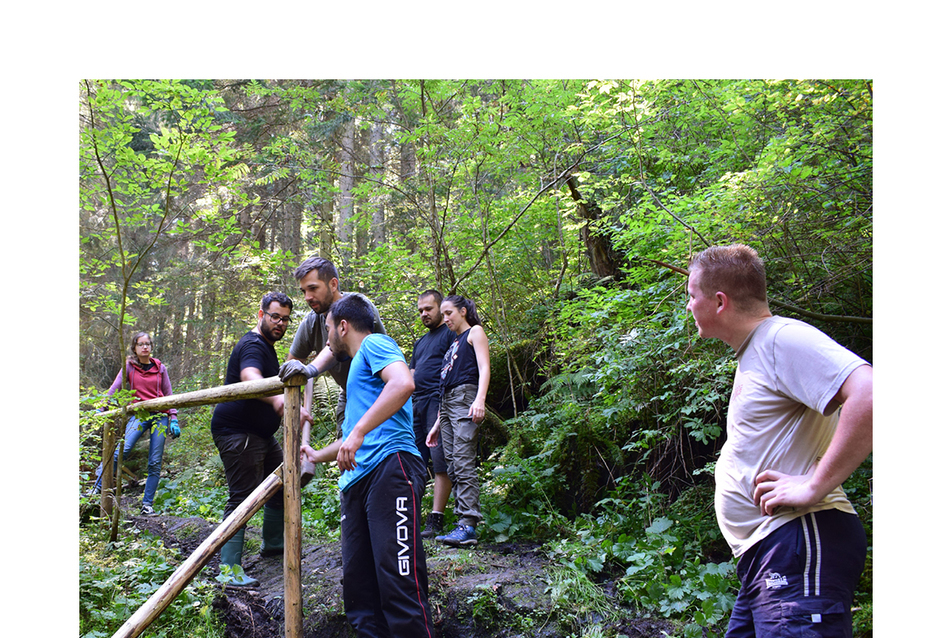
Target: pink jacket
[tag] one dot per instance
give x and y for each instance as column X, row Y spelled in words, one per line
column 147, row 384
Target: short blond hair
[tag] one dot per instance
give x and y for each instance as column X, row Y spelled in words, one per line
column 736, row 270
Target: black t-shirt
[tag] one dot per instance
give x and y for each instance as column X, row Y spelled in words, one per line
column 427, row 359
column 459, row 363
column 246, row 416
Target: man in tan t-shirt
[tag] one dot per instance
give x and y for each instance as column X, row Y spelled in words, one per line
column 799, row 423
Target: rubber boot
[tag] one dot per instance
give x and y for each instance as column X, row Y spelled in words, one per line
column 434, row 525
column 272, row 533
column 231, row 556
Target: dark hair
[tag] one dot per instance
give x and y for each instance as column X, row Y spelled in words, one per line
column 356, row 310
column 736, row 270
column 132, row 344
column 436, row 294
column 280, row 297
column 462, row 302
column 324, row 267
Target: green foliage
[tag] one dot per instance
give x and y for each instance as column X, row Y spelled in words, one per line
column 115, row 579
column 216, row 190
column 320, row 506
column 576, row 598
column 661, row 571
column 663, row 577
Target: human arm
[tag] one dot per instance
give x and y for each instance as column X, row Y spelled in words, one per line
column 477, row 337
column 116, row 384
column 252, row 373
column 323, row 362
column 166, row 388
column 277, row 401
column 326, row 454
column 432, row 437
column 397, row 389
column 851, row 444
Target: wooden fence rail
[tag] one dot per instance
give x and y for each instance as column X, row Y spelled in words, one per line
column 233, row 392
column 288, row 475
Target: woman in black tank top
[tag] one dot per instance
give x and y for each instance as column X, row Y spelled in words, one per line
column 464, row 381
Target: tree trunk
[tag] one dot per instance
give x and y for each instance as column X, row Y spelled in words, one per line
column 605, row 260
column 345, row 223
column 378, row 235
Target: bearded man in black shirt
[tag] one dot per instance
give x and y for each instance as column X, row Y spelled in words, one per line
column 244, row 431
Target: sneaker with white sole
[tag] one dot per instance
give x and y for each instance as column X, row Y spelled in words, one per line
column 462, row 536
column 147, row 510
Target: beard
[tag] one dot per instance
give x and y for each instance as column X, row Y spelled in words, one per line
column 271, row 333
column 336, row 344
column 321, row 306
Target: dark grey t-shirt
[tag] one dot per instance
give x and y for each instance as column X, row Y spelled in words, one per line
column 311, row 336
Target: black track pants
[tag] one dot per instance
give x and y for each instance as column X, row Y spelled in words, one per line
column 385, row 579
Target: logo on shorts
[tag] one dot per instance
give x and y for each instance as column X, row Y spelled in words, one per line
column 775, row 580
column 403, row 534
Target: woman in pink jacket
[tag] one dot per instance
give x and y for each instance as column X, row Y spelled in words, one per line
column 149, row 379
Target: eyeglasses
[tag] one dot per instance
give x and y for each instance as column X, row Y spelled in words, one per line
column 143, row 345
column 276, row 318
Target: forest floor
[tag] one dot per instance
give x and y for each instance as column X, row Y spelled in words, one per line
column 496, row 590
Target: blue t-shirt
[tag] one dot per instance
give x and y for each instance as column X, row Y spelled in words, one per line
column 364, row 385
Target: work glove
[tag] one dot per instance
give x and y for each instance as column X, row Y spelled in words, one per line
column 174, row 430
column 292, row 367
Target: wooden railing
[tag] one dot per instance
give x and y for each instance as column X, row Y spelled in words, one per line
column 288, row 475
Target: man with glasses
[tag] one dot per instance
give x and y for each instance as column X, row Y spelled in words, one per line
column 244, row 430
column 320, row 285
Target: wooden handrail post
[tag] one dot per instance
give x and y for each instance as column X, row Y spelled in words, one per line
column 289, row 474
column 110, row 438
column 293, row 608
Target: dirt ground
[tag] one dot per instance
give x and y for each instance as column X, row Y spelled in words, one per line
column 498, row 590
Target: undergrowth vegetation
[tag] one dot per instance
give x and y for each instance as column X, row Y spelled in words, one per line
column 116, row 578
column 570, row 209
column 608, row 469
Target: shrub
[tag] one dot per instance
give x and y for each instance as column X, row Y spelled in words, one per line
column 115, row 579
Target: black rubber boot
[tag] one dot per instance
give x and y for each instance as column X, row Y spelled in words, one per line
column 434, row 525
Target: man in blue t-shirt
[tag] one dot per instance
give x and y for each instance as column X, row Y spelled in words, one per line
column 243, row 432
column 382, row 478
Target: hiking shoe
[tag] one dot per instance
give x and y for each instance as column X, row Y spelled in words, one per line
column 462, row 536
column 147, row 510
column 434, row 525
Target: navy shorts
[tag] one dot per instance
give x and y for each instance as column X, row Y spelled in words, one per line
column 799, row 581
column 425, row 410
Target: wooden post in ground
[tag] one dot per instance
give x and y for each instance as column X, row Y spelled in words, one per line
column 111, row 437
column 293, row 608
column 164, row 596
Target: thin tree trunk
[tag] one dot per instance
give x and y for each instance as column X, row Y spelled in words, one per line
column 345, row 224
column 378, row 232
